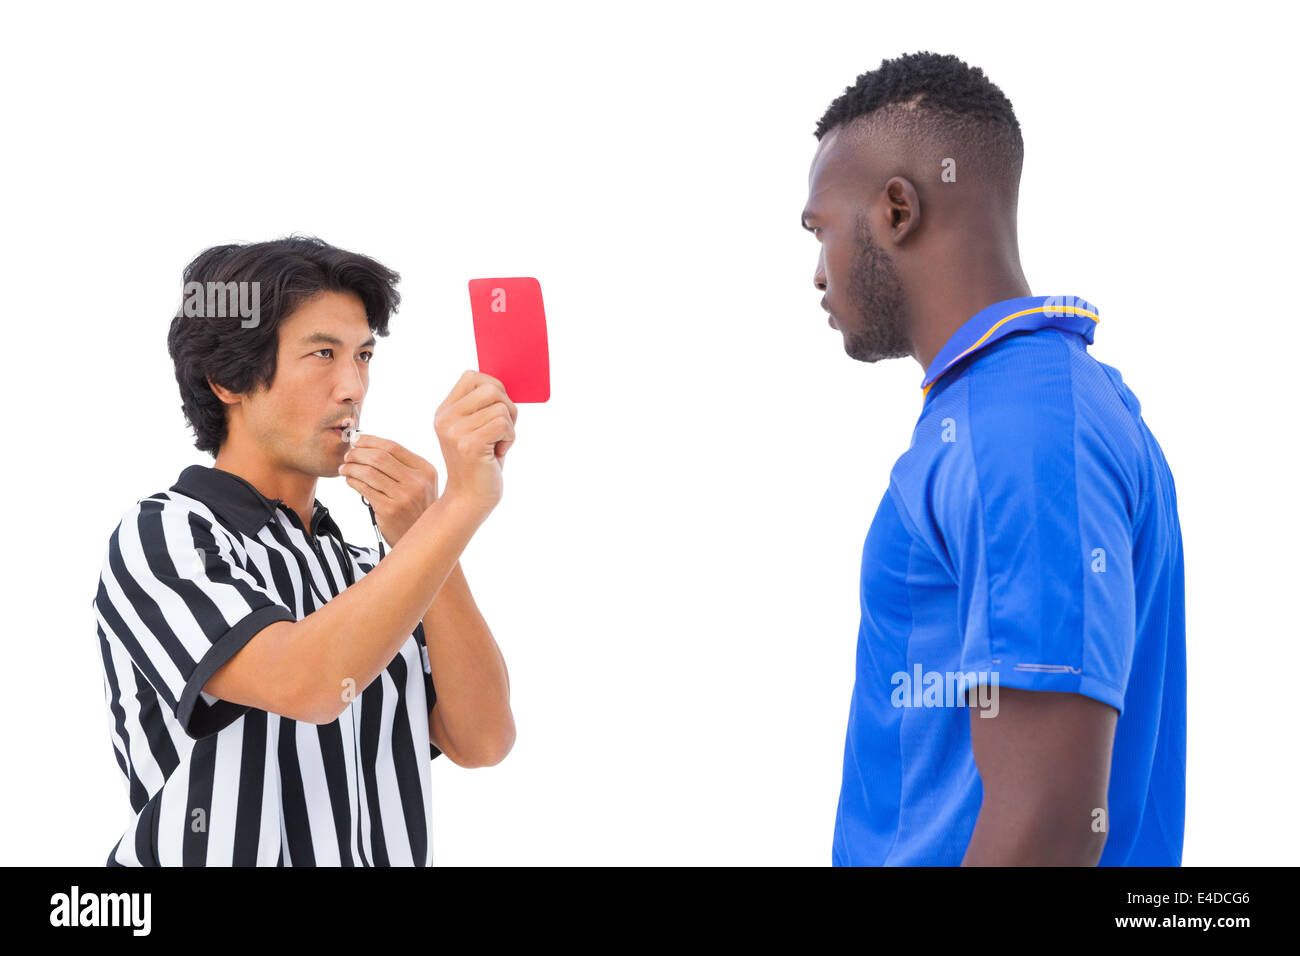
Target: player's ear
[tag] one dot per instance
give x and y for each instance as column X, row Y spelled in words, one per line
column 903, row 206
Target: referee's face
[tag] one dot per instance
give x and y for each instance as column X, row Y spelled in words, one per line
column 322, row 367
column 862, row 291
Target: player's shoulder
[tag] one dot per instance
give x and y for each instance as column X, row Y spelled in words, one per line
column 1020, row 381
column 1046, row 370
column 1024, row 376
column 1042, row 388
column 1010, row 401
column 1014, row 415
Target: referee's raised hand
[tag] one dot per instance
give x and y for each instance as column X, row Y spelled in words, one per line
column 476, row 427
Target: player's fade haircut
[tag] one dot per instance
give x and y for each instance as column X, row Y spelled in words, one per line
column 942, row 99
column 290, row 271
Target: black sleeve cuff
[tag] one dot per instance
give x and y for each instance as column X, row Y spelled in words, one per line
column 199, row 719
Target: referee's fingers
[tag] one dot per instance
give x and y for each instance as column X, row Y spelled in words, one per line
column 464, row 385
column 487, row 392
column 403, row 455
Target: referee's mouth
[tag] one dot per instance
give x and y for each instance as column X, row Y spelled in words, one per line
column 341, row 429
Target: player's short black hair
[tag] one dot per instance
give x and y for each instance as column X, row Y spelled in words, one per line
column 290, row 271
column 944, row 97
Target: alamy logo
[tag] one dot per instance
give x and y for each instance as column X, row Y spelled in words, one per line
column 220, row 300
column 1061, row 305
column 945, row 689
column 102, row 909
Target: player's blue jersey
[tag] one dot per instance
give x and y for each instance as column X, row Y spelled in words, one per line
column 1029, row 538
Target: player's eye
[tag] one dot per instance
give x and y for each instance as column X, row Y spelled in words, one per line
column 319, row 351
column 369, row 356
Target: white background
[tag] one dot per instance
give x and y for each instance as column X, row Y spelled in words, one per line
column 673, row 573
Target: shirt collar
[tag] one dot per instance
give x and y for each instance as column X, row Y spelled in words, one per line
column 237, row 501
column 1012, row 315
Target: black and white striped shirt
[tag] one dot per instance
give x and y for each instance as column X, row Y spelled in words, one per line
column 191, row 575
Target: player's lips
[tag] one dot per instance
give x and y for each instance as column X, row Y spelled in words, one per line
column 830, row 319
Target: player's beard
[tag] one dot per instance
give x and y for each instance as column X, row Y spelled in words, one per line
column 879, row 327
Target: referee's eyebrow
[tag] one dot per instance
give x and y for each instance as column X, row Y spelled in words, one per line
column 324, row 338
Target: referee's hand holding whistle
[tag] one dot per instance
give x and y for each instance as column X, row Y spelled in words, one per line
column 397, row 482
column 475, row 427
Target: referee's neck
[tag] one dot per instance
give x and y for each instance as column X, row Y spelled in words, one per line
column 295, row 488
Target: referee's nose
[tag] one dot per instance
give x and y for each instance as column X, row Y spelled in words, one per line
column 352, row 390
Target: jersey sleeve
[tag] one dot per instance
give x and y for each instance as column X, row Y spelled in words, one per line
column 1037, row 518
column 176, row 596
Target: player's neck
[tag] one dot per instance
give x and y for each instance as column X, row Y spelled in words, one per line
column 940, row 310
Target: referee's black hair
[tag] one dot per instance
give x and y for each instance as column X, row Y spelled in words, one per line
column 940, row 96
column 290, row 271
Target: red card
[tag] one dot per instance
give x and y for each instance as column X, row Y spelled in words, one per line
column 510, row 333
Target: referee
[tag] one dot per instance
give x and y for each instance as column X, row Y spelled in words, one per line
column 269, row 685
column 1020, row 688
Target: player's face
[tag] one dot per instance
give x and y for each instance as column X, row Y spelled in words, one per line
column 861, row 288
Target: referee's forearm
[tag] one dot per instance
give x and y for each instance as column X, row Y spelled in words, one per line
column 353, row 637
column 470, row 677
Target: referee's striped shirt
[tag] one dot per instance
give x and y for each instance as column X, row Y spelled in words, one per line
column 191, row 575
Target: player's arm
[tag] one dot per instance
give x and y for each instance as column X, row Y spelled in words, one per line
column 1044, row 761
column 471, row 721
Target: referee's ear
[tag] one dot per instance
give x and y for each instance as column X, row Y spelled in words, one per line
column 904, row 207
column 223, row 393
